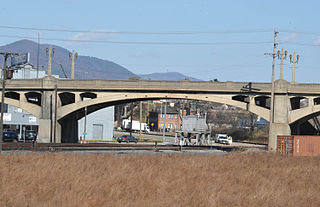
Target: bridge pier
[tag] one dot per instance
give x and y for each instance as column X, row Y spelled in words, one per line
column 275, row 130
column 44, row 131
column 280, row 124
column 49, row 127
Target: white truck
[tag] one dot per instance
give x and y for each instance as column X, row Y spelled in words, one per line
column 223, row 139
column 126, row 125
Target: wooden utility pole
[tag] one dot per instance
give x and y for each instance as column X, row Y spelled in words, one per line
column 272, row 83
column 55, row 112
column 38, row 56
column 164, row 121
column 140, row 117
column 6, row 55
column 131, row 117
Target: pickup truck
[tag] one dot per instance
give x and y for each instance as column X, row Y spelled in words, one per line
column 223, row 139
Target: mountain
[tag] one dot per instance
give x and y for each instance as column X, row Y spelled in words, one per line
column 86, row 67
column 171, row 76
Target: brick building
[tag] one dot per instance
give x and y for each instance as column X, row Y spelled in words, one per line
column 172, row 120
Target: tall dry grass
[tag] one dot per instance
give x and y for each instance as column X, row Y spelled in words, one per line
column 158, row 180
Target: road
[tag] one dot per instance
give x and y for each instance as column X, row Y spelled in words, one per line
column 170, row 140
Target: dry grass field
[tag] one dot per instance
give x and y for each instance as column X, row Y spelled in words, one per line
column 158, row 180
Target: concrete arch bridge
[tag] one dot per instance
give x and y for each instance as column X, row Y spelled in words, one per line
column 296, row 106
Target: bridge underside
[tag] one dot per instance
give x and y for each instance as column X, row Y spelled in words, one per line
column 309, row 125
column 69, row 124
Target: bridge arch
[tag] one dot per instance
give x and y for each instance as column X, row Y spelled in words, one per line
column 303, row 113
column 28, row 107
column 108, row 99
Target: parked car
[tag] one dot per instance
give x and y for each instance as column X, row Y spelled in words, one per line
column 31, row 135
column 223, row 139
column 10, row 136
column 127, row 138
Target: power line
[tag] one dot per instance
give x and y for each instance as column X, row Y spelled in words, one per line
column 142, row 42
column 160, row 33
column 302, row 44
column 142, row 32
column 301, row 32
column 190, row 66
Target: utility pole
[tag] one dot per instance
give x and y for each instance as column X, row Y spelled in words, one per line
column 38, row 56
column 140, row 116
column 164, row 122
column 6, row 55
column 248, row 89
column 271, row 123
column 85, row 125
column 273, row 74
column 55, row 112
column 294, row 61
column 282, row 55
column 147, row 113
column 50, row 52
column 131, row 117
column 74, row 57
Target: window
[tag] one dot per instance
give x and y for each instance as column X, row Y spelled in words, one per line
column 170, row 116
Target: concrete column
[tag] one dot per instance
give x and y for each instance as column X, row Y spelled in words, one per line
column 310, row 102
column 275, row 130
column 77, row 97
column 44, row 131
column 281, row 114
column 46, row 121
column 23, row 97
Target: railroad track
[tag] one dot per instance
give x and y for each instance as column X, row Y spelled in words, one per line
column 251, row 142
column 110, row 146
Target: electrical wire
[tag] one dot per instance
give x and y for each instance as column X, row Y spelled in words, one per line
column 141, row 43
column 301, row 32
column 301, row 44
column 132, row 32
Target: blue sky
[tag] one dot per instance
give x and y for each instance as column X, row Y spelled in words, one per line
column 246, row 26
